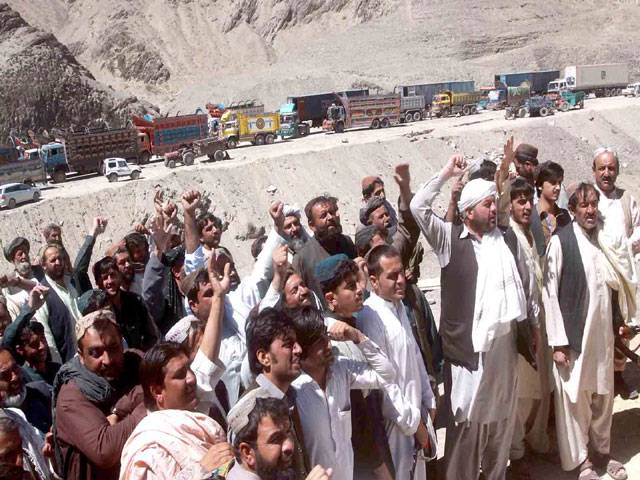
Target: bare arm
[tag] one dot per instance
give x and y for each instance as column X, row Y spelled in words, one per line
column 190, row 201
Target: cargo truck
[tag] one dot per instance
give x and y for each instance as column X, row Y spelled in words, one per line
column 259, row 129
column 290, row 124
column 411, row 111
column 451, row 103
column 536, row 81
column 85, row 151
column 53, row 158
column 163, row 135
column 312, row 109
column 603, row 80
column 16, row 168
column 374, row 111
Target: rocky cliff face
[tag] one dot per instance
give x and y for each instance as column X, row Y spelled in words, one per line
column 43, row 86
column 182, row 54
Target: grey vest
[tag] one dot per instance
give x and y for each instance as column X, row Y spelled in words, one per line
column 458, row 294
column 573, row 294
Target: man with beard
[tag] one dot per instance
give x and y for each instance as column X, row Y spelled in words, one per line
column 261, row 433
column 125, row 267
column 384, row 320
column 52, row 233
column 324, row 220
column 20, row 449
column 174, row 441
column 323, row 390
column 293, row 230
column 621, row 217
column 581, row 275
column 404, row 233
column 483, row 300
column 131, row 314
column 61, row 304
column 16, row 288
column 34, row 399
column 96, row 404
column 274, row 358
column 28, row 343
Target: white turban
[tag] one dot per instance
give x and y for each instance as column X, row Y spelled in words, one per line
column 180, row 330
column 474, row 192
column 289, row 210
column 238, row 416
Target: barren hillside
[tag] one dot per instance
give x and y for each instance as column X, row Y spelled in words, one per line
column 42, row 84
column 183, row 53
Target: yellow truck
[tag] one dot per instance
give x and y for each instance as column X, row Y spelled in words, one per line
column 452, row 103
column 257, row 128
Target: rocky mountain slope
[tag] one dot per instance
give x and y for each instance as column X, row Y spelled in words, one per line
column 42, row 85
column 182, row 53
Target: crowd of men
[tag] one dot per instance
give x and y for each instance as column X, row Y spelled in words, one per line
column 157, row 360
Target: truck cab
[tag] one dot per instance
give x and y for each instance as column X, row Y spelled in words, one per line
column 55, row 160
column 290, row 124
column 441, row 104
column 557, row 86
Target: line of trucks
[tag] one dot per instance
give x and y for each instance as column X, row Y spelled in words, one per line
column 180, row 139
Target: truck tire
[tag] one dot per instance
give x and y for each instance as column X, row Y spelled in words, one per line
column 508, row 114
column 135, row 175
column 339, row 128
column 564, row 107
column 408, row 117
column 466, row 110
column 544, row 111
column 269, row 139
column 375, row 123
column 59, row 176
column 188, row 157
column 232, row 142
column 170, row 163
column 144, row 158
column 582, row 103
column 112, row 177
column 304, row 130
column 522, row 113
column 219, row 155
column 417, row 116
column 384, row 123
column 474, row 109
column 259, row 140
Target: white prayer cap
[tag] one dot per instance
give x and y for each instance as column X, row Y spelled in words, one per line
column 180, row 330
column 238, row 416
column 289, row 210
column 474, row 192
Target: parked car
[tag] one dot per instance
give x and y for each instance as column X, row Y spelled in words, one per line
column 632, row 90
column 12, row 194
column 114, row 168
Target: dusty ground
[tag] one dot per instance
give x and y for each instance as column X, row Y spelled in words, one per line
column 335, row 164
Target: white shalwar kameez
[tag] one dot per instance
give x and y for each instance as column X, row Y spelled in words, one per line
column 584, row 389
column 326, row 414
column 387, row 325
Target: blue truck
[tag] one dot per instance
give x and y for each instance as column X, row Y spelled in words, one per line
column 537, row 81
column 16, row 167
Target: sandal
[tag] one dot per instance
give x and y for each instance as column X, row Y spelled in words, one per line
column 587, row 472
column 616, row 470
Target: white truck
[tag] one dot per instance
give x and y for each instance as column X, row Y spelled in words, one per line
column 603, row 80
